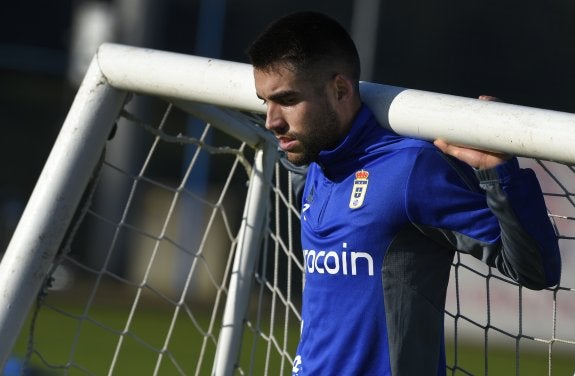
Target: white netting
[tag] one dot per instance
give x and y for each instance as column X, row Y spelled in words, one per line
column 517, row 331
column 142, row 287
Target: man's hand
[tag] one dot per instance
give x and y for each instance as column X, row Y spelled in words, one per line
column 480, row 159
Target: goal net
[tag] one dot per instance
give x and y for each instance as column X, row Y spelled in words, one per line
column 163, row 234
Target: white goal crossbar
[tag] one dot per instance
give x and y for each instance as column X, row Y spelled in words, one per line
column 117, row 69
column 498, row 126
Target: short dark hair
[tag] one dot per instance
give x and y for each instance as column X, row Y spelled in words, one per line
column 310, row 41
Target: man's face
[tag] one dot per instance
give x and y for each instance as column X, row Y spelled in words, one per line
column 300, row 113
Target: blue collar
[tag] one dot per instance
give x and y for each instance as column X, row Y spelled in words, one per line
column 331, row 161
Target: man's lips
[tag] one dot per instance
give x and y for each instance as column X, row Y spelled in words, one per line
column 287, row 143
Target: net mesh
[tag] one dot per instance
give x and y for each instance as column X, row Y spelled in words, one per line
column 141, row 282
column 533, row 328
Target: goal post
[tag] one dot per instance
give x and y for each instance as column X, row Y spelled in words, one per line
column 51, row 206
column 33, row 248
column 513, row 129
column 517, row 130
column 222, row 94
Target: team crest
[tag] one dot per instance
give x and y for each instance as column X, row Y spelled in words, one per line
column 359, row 189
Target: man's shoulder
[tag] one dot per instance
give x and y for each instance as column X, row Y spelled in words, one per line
column 383, row 138
column 402, row 145
column 416, row 158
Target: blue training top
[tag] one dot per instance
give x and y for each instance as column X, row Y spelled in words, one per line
column 382, row 216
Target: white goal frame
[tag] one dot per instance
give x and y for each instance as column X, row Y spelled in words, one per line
column 117, row 69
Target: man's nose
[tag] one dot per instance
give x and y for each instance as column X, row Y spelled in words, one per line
column 274, row 118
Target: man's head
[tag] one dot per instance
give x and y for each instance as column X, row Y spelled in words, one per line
column 312, row 43
column 306, row 69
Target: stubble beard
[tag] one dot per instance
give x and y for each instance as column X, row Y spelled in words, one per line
column 324, row 136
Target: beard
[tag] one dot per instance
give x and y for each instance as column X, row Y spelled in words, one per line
column 322, row 133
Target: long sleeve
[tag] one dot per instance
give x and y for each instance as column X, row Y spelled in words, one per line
column 528, row 251
column 498, row 216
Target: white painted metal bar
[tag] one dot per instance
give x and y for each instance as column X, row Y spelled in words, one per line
column 517, row 130
column 180, row 76
column 224, row 121
column 251, row 231
column 53, row 202
column 248, row 248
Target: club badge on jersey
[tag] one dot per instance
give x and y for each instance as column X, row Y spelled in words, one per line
column 359, row 189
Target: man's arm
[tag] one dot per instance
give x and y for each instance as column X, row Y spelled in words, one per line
column 529, row 252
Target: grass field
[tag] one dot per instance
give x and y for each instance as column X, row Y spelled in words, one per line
column 54, row 334
column 189, row 351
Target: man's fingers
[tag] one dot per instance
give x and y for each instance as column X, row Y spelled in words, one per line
column 489, row 98
column 456, row 151
column 441, row 145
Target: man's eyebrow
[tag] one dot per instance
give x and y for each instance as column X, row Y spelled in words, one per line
column 282, row 94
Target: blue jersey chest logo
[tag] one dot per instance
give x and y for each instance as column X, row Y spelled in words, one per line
column 359, row 189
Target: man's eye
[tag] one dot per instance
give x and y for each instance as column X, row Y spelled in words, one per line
column 289, row 101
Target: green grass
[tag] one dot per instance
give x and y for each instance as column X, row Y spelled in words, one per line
column 95, row 347
column 504, row 360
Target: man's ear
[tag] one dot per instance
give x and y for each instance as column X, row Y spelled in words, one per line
column 343, row 87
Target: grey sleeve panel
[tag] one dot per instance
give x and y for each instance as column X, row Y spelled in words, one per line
column 415, row 276
column 519, row 255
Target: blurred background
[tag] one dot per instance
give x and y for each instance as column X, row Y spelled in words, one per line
column 522, row 51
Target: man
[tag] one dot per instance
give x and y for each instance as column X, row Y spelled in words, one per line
column 382, row 215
